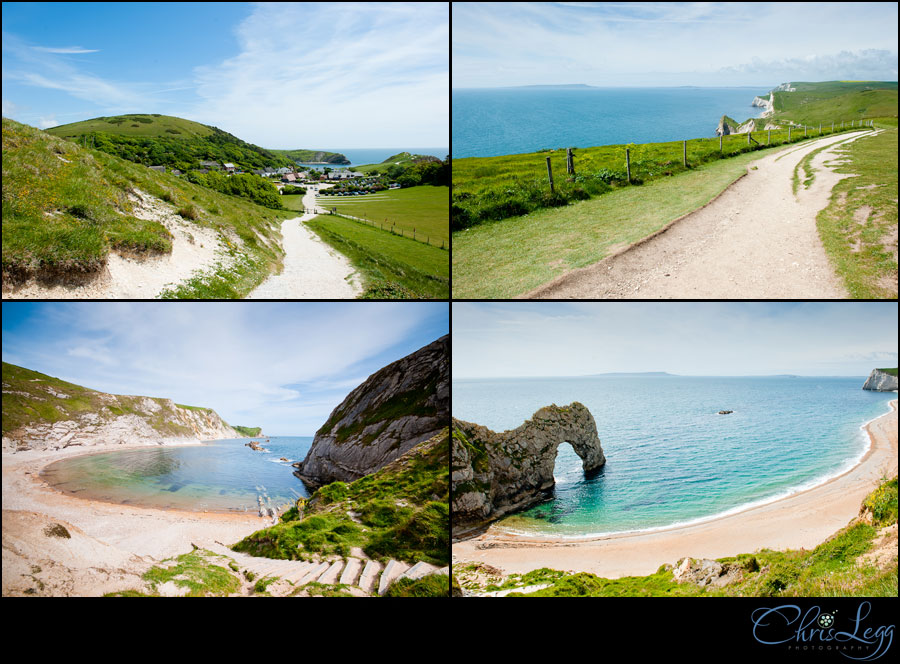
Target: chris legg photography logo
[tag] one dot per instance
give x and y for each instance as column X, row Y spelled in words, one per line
column 820, row 630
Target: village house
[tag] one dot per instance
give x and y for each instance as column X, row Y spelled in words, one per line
column 229, row 167
column 288, row 177
column 210, row 164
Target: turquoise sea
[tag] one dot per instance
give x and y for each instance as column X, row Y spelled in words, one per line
column 670, row 458
column 216, row 476
column 501, row 121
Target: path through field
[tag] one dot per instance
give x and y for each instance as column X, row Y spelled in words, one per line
column 755, row 241
column 312, row 269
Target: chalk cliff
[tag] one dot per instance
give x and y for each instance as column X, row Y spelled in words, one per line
column 767, row 104
column 881, row 381
column 394, row 410
column 493, row 474
column 41, row 412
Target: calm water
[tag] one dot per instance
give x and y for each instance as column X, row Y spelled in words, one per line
column 670, row 458
column 492, row 122
column 219, row 475
column 363, row 156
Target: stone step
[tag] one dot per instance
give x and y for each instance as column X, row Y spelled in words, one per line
column 313, row 574
column 391, row 572
column 351, row 571
column 418, row 570
column 300, row 570
column 331, row 574
column 368, row 576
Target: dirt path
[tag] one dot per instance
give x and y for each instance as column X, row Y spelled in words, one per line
column 312, row 269
column 755, row 241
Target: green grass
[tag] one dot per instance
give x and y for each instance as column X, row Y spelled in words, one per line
column 313, row 156
column 433, row 585
column 250, row 432
column 402, row 159
column 831, row 569
column 403, row 513
column 195, row 571
column 423, row 211
column 502, row 259
column 859, row 226
column 392, row 267
column 61, row 219
column 892, row 372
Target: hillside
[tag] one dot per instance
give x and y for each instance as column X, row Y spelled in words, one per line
column 163, row 140
column 400, row 511
column 313, row 156
column 248, row 432
column 394, row 410
column 74, row 216
column 42, row 412
column 402, row 159
column 836, row 101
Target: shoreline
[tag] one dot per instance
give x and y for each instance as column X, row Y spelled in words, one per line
column 111, row 544
column 799, row 520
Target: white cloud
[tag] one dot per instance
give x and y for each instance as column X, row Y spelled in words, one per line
column 47, row 121
column 67, row 49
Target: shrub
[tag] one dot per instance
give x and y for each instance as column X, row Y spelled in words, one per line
column 189, row 212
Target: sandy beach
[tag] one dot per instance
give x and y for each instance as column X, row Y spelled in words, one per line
column 802, row 520
column 109, row 545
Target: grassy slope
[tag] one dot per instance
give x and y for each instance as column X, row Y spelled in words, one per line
column 392, row 266
column 830, row 569
column 27, row 401
column 425, row 209
column 250, row 432
column 125, row 125
column 859, row 226
column 309, row 156
column 401, row 159
column 403, row 513
column 65, row 209
column 506, row 258
column 837, row 101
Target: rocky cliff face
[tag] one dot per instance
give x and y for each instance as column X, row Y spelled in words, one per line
column 494, row 474
column 881, row 381
column 767, row 104
column 394, row 410
column 41, row 412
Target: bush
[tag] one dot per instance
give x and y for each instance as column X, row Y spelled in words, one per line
column 189, row 212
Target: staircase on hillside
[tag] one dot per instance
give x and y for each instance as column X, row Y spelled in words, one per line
column 355, row 571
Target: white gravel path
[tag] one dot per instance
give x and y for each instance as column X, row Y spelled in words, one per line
column 312, row 269
column 757, row 240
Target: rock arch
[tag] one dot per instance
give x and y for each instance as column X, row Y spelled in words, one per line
column 494, row 474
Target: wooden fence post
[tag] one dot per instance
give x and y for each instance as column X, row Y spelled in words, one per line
column 832, row 127
column 804, row 131
column 550, row 174
column 769, row 137
column 789, row 133
column 570, row 162
column 720, row 143
column 684, row 154
column 820, row 129
column 628, row 164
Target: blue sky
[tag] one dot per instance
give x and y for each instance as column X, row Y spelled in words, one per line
column 280, row 75
column 699, row 339
column 672, row 43
column 280, row 366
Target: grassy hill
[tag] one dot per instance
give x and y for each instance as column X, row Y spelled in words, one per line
column 402, row 159
column 313, row 156
column 836, row 101
column 400, row 512
column 66, row 208
column 33, row 399
column 163, row 140
column 249, row 432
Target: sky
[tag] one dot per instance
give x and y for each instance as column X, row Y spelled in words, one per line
column 281, row 366
column 279, row 75
column 494, row 340
column 671, row 43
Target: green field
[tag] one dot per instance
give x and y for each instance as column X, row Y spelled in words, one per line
column 509, row 257
column 837, row 101
column 859, row 226
column 393, row 267
column 65, row 208
column 402, row 159
column 422, row 210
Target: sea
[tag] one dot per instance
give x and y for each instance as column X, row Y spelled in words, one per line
column 671, row 459
column 363, row 156
column 502, row 121
column 216, row 476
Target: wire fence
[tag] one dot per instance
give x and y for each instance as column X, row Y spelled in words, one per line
column 387, row 225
